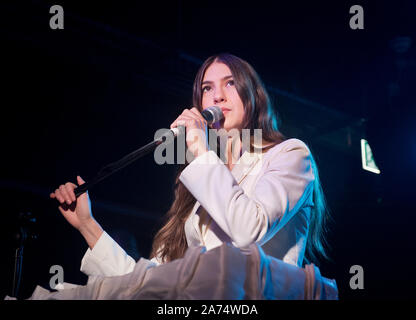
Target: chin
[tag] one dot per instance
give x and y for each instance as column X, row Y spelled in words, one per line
column 230, row 126
column 223, row 124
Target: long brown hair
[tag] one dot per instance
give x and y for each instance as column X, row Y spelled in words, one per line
column 170, row 241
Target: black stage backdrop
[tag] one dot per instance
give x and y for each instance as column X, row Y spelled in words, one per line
column 78, row 98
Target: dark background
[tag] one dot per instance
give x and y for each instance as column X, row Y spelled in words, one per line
column 76, row 99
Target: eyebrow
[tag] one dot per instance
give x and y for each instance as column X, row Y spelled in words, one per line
column 224, row 78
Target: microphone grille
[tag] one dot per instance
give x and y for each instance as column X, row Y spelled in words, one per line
column 216, row 113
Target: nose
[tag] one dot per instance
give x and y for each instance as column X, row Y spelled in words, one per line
column 219, row 96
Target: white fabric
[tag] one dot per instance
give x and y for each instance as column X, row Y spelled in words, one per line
column 107, row 258
column 223, row 273
column 266, row 198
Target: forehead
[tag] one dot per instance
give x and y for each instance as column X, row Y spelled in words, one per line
column 216, row 71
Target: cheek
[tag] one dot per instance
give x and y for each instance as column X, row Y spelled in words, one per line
column 205, row 102
column 240, row 115
column 238, row 105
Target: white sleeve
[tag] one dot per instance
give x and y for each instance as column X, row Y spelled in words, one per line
column 107, row 258
column 284, row 186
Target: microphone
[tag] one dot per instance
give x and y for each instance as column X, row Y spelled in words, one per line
column 210, row 114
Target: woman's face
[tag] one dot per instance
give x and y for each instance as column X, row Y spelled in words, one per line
column 218, row 89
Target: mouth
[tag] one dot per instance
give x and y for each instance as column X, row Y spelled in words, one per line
column 225, row 110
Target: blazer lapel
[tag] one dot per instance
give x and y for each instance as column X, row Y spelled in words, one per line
column 241, row 169
column 245, row 165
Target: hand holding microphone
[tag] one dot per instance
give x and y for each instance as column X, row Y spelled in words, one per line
column 74, row 201
column 196, row 125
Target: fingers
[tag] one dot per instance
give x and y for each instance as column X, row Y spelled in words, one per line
column 181, row 121
column 57, row 195
column 189, row 123
column 64, row 207
column 202, row 122
column 196, row 112
column 70, row 190
column 80, row 181
column 65, row 193
column 62, row 210
column 190, row 118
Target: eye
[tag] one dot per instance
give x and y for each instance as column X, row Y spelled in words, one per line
column 230, row 83
column 206, row 88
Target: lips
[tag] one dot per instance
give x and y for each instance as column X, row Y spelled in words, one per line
column 224, row 110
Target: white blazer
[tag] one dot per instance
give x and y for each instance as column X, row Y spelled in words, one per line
column 266, row 198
